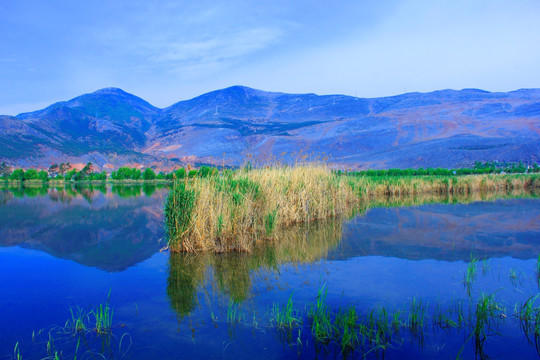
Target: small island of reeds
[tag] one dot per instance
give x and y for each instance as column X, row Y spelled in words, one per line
column 233, row 210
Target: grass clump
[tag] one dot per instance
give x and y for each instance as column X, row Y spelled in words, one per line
column 322, row 327
column 285, row 316
column 470, row 274
column 103, row 315
column 235, row 209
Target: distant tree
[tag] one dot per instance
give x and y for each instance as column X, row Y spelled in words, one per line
column 136, row 174
column 192, row 173
column 5, row 170
column 206, row 171
column 54, row 169
column 43, row 175
column 31, row 174
column 63, row 168
column 160, row 176
column 149, row 174
column 88, row 169
column 70, row 174
column 17, row 174
column 180, row 173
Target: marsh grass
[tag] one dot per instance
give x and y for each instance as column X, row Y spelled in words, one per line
column 78, row 321
column 322, row 327
column 234, row 210
column 347, row 328
column 16, row 352
column 103, row 316
column 286, row 316
column 417, row 314
column 529, row 318
column 234, row 313
column 516, row 277
column 538, row 271
column 470, row 273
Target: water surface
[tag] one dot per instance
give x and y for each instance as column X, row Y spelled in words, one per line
column 65, row 248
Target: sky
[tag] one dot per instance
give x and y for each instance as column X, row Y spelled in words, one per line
column 168, row 51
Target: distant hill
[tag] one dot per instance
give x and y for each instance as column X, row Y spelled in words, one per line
column 446, row 128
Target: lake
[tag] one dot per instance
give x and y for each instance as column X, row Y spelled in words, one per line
column 419, row 273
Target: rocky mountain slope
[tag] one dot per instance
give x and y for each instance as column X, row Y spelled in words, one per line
column 446, row 128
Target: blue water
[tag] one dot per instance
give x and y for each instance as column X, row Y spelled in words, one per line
column 67, row 249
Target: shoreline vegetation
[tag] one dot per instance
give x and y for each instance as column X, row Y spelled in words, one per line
column 65, row 173
column 236, row 209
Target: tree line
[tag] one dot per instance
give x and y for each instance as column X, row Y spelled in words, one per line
column 479, row 168
column 66, row 172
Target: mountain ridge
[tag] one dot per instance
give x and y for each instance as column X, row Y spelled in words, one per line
column 111, row 128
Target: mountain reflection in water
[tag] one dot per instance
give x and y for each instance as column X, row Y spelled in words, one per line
column 98, row 226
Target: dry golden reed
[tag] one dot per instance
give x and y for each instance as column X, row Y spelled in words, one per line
column 234, row 210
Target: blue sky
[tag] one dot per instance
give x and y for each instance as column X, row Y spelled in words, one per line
column 166, row 51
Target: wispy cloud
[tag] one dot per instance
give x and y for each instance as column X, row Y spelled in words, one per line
column 220, row 49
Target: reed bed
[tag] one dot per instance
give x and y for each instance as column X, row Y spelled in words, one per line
column 235, row 210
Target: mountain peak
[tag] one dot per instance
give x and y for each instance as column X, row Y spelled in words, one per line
column 110, row 90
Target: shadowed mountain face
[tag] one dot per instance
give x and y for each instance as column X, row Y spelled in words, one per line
column 444, row 128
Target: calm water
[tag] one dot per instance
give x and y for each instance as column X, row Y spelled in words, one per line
column 68, row 248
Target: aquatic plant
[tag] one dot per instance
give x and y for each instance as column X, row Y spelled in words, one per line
column 79, row 319
column 346, row 327
column 234, row 314
column 103, row 315
column 487, row 311
column 322, row 327
column 234, row 210
column 538, row 271
column 470, row 274
column 529, row 316
column 417, row 314
column 515, row 276
column 286, row 316
column 16, row 352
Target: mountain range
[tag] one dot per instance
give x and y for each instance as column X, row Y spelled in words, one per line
column 112, row 128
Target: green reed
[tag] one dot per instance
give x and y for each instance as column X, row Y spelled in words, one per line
column 234, row 314
column 103, row 316
column 16, row 352
column 417, row 314
column 286, row 316
column 470, row 274
column 345, row 325
column 79, row 319
column 321, row 326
